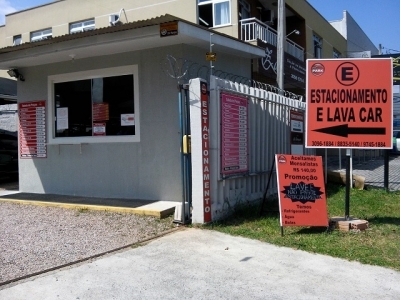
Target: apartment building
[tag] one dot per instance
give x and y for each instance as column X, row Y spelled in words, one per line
column 309, row 35
column 358, row 43
column 98, row 81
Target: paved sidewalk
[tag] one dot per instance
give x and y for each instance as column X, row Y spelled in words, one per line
column 203, row 264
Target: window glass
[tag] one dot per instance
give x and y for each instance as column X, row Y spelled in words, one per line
column 244, row 10
column 41, row 35
column 17, row 40
column 336, row 54
column 214, row 12
column 82, row 26
column 317, row 46
column 221, row 14
column 94, row 106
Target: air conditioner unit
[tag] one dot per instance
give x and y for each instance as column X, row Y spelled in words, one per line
column 114, row 19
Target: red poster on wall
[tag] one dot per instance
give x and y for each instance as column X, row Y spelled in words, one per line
column 302, row 197
column 234, row 134
column 32, row 129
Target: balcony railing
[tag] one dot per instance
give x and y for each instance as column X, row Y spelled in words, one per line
column 253, row 29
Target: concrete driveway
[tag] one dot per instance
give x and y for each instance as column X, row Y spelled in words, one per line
column 202, row 264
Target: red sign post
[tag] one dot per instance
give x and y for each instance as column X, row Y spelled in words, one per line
column 302, row 197
column 349, row 103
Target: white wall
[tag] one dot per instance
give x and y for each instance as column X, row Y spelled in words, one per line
column 149, row 169
column 357, row 39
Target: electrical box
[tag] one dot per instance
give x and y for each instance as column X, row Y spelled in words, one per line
column 187, row 144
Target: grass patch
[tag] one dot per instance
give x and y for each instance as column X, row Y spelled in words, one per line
column 378, row 245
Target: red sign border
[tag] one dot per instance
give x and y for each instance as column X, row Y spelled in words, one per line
column 340, row 61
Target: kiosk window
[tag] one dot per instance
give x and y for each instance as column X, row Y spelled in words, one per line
column 94, row 109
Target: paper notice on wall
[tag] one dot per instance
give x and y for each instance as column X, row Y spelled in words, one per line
column 101, row 111
column 127, row 119
column 99, row 129
column 62, row 118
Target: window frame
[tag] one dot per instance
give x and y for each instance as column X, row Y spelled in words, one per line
column 213, row 3
column 336, row 53
column 90, row 74
column 43, row 35
column 16, row 38
column 317, row 45
column 82, row 26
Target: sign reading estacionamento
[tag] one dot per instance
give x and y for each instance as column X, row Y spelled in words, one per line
column 349, row 103
column 302, row 197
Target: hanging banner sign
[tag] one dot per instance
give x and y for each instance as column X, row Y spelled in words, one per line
column 302, row 197
column 32, row 129
column 349, row 103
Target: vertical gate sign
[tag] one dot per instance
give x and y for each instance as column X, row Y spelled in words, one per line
column 205, row 137
column 302, row 197
column 234, row 134
column 349, row 103
column 32, row 129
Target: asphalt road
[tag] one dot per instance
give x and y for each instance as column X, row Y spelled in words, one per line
column 202, row 264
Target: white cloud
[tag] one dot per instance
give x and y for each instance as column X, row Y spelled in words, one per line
column 5, row 8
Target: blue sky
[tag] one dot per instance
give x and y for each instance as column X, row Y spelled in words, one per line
column 379, row 19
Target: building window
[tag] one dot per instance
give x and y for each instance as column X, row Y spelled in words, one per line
column 94, row 106
column 17, row 40
column 41, row 35
column 317, row 46
column 213, row 13
column 82, row 26
column 244, row 10
column 336, row 54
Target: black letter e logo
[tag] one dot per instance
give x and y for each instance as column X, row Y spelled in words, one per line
column 347, row 74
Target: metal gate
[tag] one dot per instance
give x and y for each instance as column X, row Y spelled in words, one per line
column 268, row 134
column 186, row 165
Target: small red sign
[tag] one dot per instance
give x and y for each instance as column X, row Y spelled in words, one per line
column 302, row 196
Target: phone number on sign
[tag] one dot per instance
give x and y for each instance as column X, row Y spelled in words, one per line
column 335, row 144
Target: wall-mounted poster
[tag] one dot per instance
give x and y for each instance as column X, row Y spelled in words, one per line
column 62, row 118
column 32, row 129
column 234, row 134
column 127, row 119
column 101, row 111
column 99, row 129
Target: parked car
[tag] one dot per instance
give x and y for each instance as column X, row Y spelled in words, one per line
column 8, row 154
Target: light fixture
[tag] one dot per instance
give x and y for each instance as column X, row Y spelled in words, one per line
column 296, row 32
column 16, row 74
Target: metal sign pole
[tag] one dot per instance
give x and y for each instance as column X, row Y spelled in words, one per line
column 348, row 184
